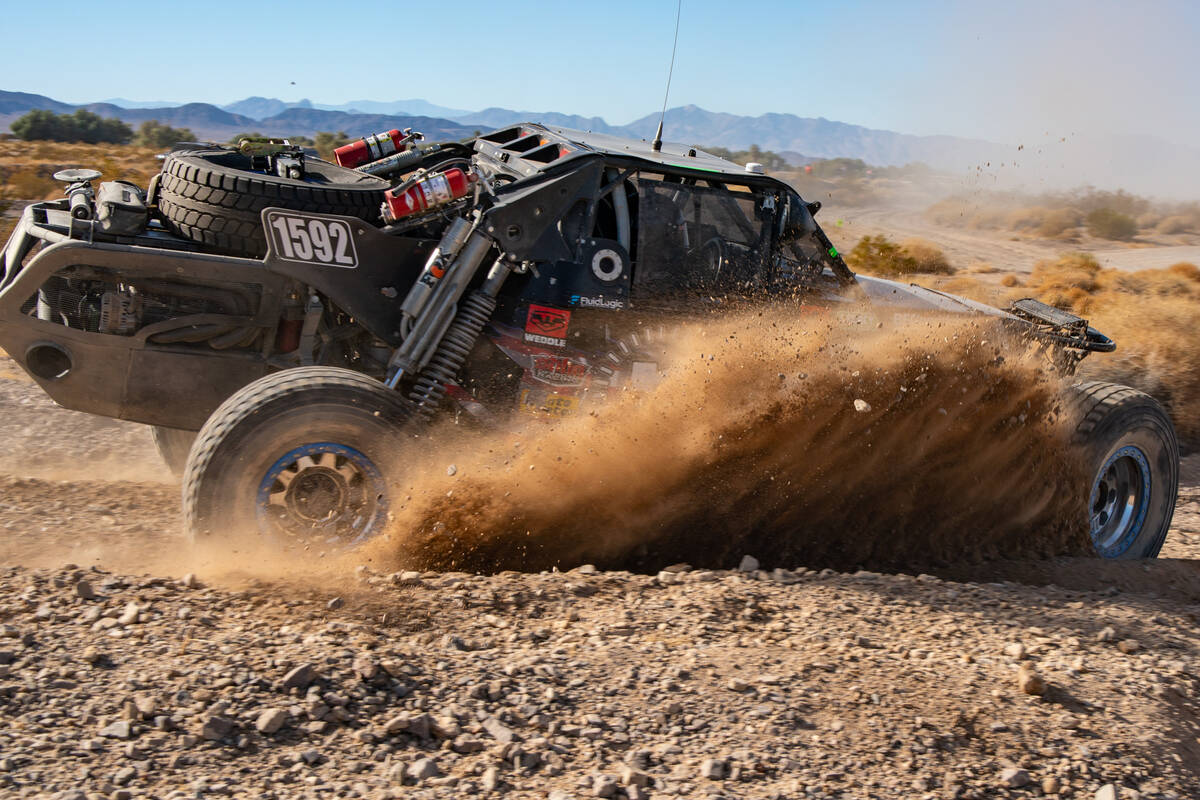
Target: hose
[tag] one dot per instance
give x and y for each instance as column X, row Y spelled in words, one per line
column 233, row 300
column 236, row 337
column 198, row 333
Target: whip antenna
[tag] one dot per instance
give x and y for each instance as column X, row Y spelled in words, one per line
column 656, row 145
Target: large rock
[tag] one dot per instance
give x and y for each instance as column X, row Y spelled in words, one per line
column 299, row 677
column 217, row 727
column 1014, row 778
column 1029, row 681
column 498, row 730
column 117, row 730
column 423, row 768
column 271, row 720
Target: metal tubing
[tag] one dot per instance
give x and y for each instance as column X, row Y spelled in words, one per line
column 496, row 276
column 422, row 340
column 444, row 254
column 621, row 207
column 447, row 295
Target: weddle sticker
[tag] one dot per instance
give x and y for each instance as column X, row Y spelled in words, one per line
column 545, row 325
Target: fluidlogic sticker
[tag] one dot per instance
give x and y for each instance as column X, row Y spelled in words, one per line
column 547, row 326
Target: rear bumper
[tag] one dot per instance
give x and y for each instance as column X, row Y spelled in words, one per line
column 123, row 376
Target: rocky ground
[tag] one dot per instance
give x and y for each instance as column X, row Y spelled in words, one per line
column 123, row 675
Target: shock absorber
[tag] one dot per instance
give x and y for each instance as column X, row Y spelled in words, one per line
column 430, row 388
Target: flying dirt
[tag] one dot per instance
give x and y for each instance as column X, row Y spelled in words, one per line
column 798, row 437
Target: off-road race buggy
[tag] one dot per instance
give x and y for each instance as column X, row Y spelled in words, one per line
column 301, row 315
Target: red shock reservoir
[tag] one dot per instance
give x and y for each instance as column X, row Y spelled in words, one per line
column 428, row 192
column 369, row 148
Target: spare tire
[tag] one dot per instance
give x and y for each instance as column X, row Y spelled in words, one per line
column 210, row 196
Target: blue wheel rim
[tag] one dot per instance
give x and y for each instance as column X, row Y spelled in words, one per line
column 323, row 492
column 1120, row 501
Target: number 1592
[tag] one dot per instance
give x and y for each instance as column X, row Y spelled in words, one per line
column 314, row 240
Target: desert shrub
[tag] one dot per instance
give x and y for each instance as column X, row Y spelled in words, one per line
column 1187, row 270
column 947, row 212
column 981, row 268
column 327, row 142
column 1151, row 283
column 839, row 168
column 153, row 133
column 988, row 219
column 928, row 256
column 1106, row 223
column 28, row 183
column 1010, row 280
column 1058, row 223
column 879, row 255
column 26, row 175
column 1120, row 201
column 1114, row 215
column 1149, row 221
column 82, row 126
column 1178, row 223
column 1154, row 352
column 1025, row 219
column 770, row 160
column 1067, row 281
column 1148, row 313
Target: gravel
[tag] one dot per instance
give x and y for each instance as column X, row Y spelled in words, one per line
column 827, row 685
column 128, row 672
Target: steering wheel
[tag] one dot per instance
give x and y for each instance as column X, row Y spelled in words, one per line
column 712, row 257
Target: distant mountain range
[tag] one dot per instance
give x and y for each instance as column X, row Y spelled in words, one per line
column 1145, row 164
column 819, row 138
column 264, row 107
column 253, row 115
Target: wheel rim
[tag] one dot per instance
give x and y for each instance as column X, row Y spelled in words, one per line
column 323, row 493
column 1119, row 501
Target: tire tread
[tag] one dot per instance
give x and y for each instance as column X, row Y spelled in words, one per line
column 191, row 184
column 258, row 397
column 1096, row 401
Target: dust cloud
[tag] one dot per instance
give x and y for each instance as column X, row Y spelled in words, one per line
column 800, row 439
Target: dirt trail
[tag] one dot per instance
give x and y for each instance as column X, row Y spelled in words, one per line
column 961, row 247
column 1004, row 251
column 1147, row 257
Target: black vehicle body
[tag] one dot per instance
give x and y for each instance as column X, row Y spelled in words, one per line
column 592, row 240
column 555, row 209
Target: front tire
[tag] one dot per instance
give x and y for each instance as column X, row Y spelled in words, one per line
column 302, row 458
column 1133, row 458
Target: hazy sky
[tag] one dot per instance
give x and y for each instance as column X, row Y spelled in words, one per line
column 1004, row 71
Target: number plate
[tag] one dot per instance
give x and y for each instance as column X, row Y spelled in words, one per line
column 311, row 240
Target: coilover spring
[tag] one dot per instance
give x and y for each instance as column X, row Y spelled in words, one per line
column 452, row 353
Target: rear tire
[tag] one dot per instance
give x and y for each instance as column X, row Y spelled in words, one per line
column 1134, row 466
column 302, row 458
